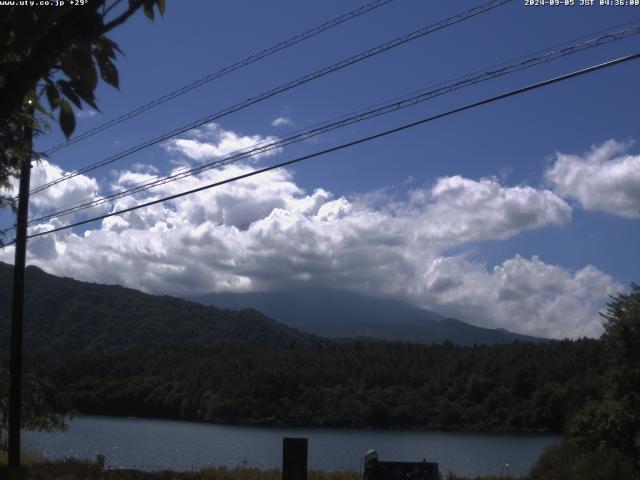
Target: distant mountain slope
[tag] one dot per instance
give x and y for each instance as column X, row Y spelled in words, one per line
column 336, row 313
column 65, row 315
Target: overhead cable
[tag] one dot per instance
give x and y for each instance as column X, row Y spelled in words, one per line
column 312, row 32
column 282, row 88
column 385, row 133
column 382, row 109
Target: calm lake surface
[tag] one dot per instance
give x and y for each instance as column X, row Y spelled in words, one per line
column 164, row 444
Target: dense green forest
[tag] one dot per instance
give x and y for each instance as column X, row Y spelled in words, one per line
column 519, row 386
column 115, row 351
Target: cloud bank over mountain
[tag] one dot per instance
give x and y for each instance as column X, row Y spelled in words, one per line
column 268, row 233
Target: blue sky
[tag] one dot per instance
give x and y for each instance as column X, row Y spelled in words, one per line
column 556, row 146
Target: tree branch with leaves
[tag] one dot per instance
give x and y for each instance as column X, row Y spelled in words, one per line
column 45, row 408
column 58, row 53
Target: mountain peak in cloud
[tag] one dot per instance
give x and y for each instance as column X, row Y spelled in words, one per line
column 338, row 313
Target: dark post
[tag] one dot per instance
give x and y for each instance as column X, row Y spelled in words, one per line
column 15, row 366
column 294, row 458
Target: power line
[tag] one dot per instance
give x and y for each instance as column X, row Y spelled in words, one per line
column 312, row 32
column 511, row 93
column 385, row 108
column 282, row 88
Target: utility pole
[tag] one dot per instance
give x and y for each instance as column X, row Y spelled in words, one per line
column 17, row 311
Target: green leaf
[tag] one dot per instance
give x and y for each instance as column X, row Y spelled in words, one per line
column 107, row 48
column 162, row 5
column 68, row 64
column 53, row 96
column 147, row 8
column 83, row 90
column 69, row 92
column 38, row 106
column 67, row 118
column 109, row 73
column 86, row 95
column 89, row 77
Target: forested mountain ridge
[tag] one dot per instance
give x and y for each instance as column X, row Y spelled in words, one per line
column 63, row 315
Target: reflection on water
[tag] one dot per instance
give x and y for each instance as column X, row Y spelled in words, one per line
column 163, row 444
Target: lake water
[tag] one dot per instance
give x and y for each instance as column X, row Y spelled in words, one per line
column 163, row 444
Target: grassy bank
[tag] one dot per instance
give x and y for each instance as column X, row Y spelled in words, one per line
column 79, row 470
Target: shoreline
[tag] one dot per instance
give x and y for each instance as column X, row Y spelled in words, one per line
column 202, row 445
column 283, row 425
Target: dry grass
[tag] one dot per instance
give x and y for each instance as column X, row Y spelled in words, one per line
column 82, row 470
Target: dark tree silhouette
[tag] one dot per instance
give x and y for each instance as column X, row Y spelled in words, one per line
column 58, row 53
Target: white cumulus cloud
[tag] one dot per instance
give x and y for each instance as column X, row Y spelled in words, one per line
column 466, row 210
column 211, row 141
column 64, row 194
column 525, row 295
column 282, row 121
column 267, row 233
column 606, row 178
column 70, row 191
